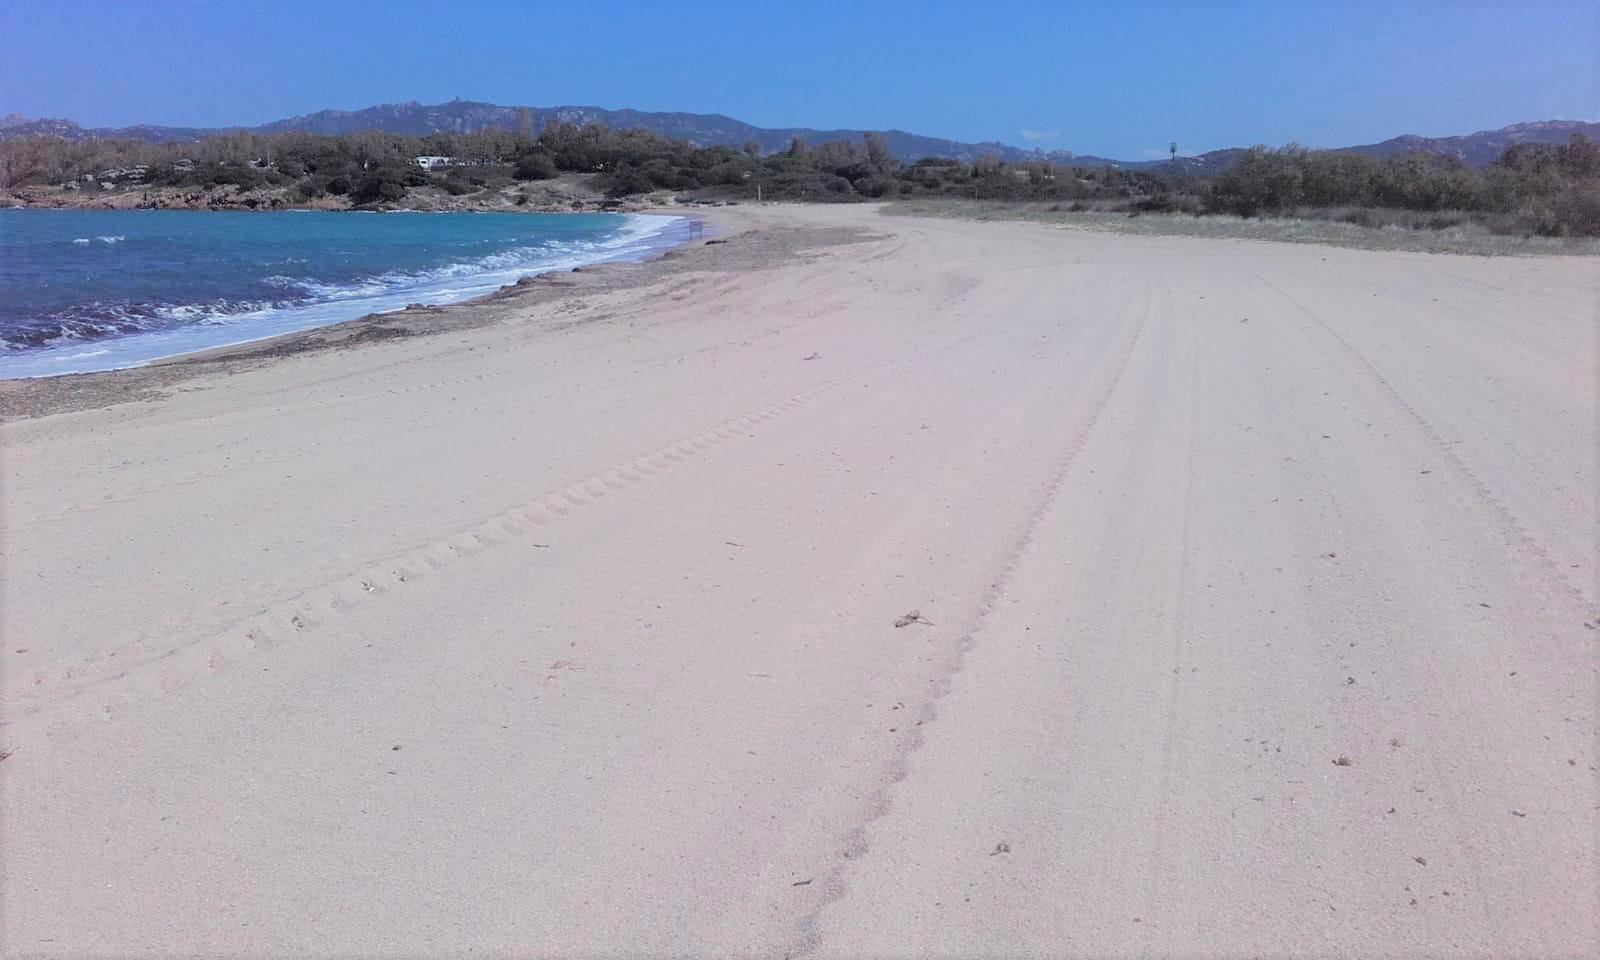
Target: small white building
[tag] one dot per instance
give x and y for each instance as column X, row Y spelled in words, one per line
column 434, row 163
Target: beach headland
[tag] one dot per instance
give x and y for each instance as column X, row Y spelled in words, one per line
column 859, row 586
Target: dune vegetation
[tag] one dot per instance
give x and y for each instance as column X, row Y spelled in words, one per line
column 1532, row 190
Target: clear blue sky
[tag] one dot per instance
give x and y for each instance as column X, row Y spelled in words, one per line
column 1106, row 78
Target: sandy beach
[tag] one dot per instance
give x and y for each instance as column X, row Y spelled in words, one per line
column 854, row 586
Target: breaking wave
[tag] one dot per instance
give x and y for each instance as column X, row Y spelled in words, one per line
column 134, row 330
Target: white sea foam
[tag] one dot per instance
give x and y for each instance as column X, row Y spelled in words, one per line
column 307, row 304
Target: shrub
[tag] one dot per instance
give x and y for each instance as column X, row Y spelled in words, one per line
column 874, row 186
column 535, row 166
column 629, row 180
column 730, row 172
column 1577, row 209
column 380, row 186
column 1166, row 203
column 1360, row 216
column 663, row 173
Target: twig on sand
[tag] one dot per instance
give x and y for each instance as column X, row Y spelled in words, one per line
column 913, row 617
column 814, row 356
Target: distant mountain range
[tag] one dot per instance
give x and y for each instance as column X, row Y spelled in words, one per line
column 710, row 129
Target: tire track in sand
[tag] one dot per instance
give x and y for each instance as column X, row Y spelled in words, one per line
column 59, row 703
column 856, row 841
column 1510, row 524
column 448, row 414
column 111, row 683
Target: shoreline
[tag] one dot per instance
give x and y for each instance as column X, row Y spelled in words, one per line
column 731, row 242
column 805, row 580
column 677, row 230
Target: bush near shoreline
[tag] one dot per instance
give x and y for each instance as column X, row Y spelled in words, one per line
column 1532, row 190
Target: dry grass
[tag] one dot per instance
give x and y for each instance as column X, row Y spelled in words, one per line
column 1464, row 238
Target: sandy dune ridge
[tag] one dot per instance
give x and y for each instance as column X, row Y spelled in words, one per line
column 1255, row 595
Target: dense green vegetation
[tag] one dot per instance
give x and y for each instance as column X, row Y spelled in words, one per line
column 1533, row 189
column 1551, row 190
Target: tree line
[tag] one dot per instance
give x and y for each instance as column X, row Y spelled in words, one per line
column 1539, row 188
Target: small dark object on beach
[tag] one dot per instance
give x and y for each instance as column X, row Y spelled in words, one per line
column 1343, row 761
column 913, row 617
column 381, row 332
column 716, row 240
column 1001, row 847
column 5, row 754
column 801, row 883
column 395, row 747
column 1421, row 860
column 814, row 356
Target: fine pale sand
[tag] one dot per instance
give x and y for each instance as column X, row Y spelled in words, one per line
column 1255, row 590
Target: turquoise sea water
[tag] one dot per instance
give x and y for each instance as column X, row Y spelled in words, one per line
column 84, row 290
